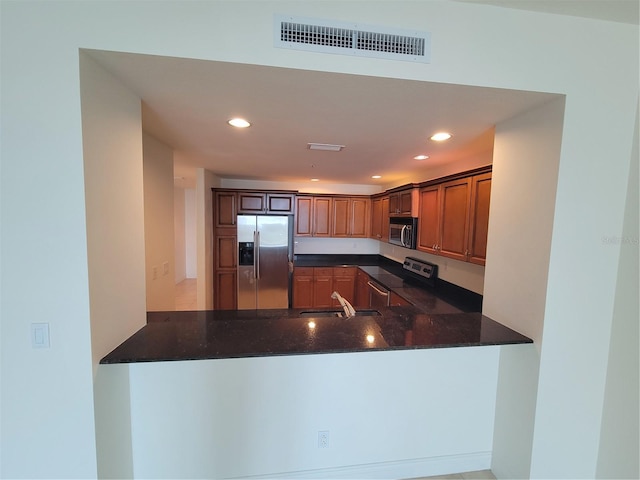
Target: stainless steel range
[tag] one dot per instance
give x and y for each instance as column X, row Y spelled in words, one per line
column 428, row 271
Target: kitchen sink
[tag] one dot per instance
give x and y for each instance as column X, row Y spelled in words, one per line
column 338, row 313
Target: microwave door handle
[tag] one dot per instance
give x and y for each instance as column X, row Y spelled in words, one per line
column 402, row 232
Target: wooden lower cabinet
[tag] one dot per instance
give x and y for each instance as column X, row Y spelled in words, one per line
column 397, row 301
column 225, row 297
column 322, row 287
column 344, row 282
column 313, row 286
column 302, row 287
column 362, row 298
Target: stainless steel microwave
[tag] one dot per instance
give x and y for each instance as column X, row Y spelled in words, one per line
column 403, row 231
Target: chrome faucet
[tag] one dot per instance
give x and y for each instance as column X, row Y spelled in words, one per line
column 349, row 311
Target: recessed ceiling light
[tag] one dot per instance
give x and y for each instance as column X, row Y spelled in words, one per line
column 239, row 123
column 421, row 157
column 315, row 179
column 327, row 147
column 376, row 176
column 441, row 136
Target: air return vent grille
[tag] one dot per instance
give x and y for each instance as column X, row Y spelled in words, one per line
column 351, row 39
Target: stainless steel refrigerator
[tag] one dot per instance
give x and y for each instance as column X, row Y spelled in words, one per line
column 265, row 253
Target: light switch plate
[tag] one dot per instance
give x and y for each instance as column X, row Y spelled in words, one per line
column 40, row 335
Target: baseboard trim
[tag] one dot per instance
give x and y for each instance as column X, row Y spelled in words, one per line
column 412, row 468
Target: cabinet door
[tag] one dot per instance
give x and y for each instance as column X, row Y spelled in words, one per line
column 397, row 301
column 479, row 223
column 394, row 204
column 455, row 218
column 321, row 216
column 322, row 287
column 385, row 219
column 304, row 216
column 362, row 299
column 340, row 217
column 226, row 251
column 225, row 209
column 429, row 223
column 251, row 202
column 344, row 282
column 226, row 290
column 359, row 217
column 279, row 203
column 376, row 218
column 405, row 203
column 303, row 288
column 401, row 203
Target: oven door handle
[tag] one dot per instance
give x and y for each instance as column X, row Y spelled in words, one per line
column 402, row 235
column 383, row 293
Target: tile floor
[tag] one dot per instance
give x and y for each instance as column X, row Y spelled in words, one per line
column 478, row 475
column 186, row 295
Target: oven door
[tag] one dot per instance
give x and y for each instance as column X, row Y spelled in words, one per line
column 397, row 232
column 379, row 296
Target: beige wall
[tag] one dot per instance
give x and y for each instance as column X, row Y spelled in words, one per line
column 159, row 236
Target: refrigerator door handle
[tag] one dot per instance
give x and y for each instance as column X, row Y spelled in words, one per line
column 256, row 257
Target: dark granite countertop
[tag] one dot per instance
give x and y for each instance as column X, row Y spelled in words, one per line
column 441, row 315
column 443, row 297
column 236, row 333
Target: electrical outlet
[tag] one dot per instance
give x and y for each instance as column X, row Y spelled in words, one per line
column 165, row 268
column 323, row 439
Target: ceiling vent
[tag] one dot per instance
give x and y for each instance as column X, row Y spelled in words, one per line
column 325, row 36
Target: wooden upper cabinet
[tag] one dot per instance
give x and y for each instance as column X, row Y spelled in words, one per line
column 429, row 222
column 479, row 222
column 376, row 218
column 404, row 203
column 280, row 203
column 265, row 203
column 454, row 218
column 225, row 209
column 321, row 218
column 251, row 202
column 350, row 217
column 454, row 224
column 341, row 217
column 359, row 222
column 304, row 216
column 385, row 219
column 313, row 216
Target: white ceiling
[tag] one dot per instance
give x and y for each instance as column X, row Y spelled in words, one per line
column 383, row 122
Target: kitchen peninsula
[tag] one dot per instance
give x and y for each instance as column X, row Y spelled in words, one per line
column 446, row 316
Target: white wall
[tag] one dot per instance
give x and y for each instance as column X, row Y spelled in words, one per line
column 180, row 251
column 159, row 236
column 205, row 181
column 113, row 146
column 259, row 416
column 526, row 158
column 190, row 233
column 185, row 233
column 616, row 458
column 520, row 50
